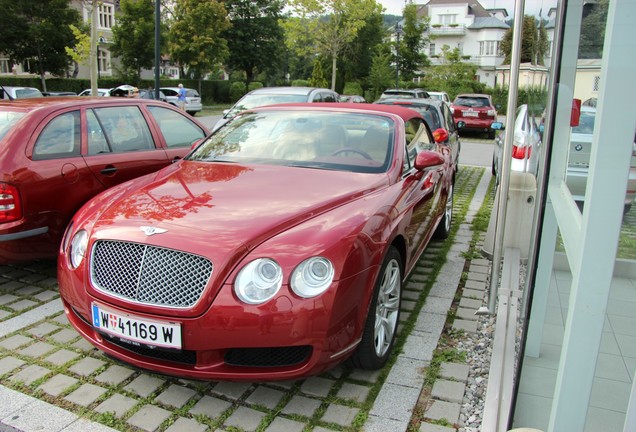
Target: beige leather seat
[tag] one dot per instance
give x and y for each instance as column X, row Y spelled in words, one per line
column 376, row 143
column 330, row 140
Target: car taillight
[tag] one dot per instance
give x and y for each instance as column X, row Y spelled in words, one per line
column 10, row 205
column 521, row 152
column 491, row 113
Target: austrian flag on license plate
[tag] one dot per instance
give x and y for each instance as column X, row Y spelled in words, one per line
column 136, row 329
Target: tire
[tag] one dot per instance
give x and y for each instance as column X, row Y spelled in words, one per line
column 491, row 134
column 192, row 113
column 443, row 229
column 380, row 329
column 494, row 168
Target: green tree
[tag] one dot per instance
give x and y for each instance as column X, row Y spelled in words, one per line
column 326, row 26
column 134, row 37
column 317, row 76
column 255, row 38
column 381, row 75
column 453, row 76
column 593, row 31
column 411, row 57
column 356, row 59
column 534, row 42
column 195, row 39
column 80, row 53
column 36, row 32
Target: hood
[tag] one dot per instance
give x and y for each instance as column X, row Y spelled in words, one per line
column 229, row 204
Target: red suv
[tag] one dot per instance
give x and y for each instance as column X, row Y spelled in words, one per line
column 474, row 112
column 56, row 153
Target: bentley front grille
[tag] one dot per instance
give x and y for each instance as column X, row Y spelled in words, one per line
column 149, row 274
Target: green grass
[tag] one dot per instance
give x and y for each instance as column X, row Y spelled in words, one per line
column 626, row 242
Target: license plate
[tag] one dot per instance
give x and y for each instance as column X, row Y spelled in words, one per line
column 136, row 329
column 470, row 114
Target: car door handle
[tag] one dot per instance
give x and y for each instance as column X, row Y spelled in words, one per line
column 109, row 170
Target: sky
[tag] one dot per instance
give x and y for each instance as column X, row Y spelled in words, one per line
column 532, row 7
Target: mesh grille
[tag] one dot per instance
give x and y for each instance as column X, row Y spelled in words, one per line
column 148, row 274
column 268, row 357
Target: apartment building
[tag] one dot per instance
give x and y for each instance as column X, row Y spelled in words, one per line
column 107, row 64
column 466, row 25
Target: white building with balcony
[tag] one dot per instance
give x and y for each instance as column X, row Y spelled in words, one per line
column 466, row 25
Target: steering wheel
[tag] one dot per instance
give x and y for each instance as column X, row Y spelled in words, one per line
column 352, row 150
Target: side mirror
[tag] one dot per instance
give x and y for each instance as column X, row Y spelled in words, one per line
column 461, row 124
column 426, row 160
column 498, row 106
column 440, row 135
column 497, row 126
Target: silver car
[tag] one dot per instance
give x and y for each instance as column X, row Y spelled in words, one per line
column 579, row 158
column 193, row 103
column 277, row 95
column 526, row 152
column 526, row 144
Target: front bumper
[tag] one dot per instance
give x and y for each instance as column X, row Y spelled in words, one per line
column 283, row 339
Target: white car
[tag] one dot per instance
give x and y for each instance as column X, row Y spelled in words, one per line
column 193, row 103
column 100, row 92
column 440, row 95
column 12, row 92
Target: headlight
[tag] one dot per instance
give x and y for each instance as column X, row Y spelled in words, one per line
column 78, row 248
column 312, row 277
column 258, row 281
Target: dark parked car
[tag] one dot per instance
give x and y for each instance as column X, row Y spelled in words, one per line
column 59, row 152
column 58, row 93
column 475, row 112
column 439, row 118
column 275, row 250
column 277, row 95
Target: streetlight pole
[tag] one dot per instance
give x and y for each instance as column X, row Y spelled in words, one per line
column 100, row 40
column 398, row 33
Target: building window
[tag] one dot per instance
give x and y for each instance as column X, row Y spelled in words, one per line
column 596, row 83
column 4, row 66
column 103, row 60
column 431, row 50
column 106, row 16
column 446, row 19
column 488, row 48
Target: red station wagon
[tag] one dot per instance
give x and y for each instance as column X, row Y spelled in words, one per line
column 56, row 153
column 474, row 112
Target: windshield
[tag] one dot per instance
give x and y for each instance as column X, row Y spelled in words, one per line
column 27, row 93
column 259, row 100
column 586, row 123
column 7, row 120
column 313, row 139
column 475, row 102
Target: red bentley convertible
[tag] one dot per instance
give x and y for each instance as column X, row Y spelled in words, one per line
column 275, row 250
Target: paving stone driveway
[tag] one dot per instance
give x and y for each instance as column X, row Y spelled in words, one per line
column 42, row 356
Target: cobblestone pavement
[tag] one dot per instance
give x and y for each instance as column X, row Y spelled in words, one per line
column 51, row 379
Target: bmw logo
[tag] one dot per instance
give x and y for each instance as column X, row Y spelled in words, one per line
column 578, row 147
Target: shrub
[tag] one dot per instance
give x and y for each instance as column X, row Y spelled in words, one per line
column 237, row 90
column 254, row 85
column 352, row 88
